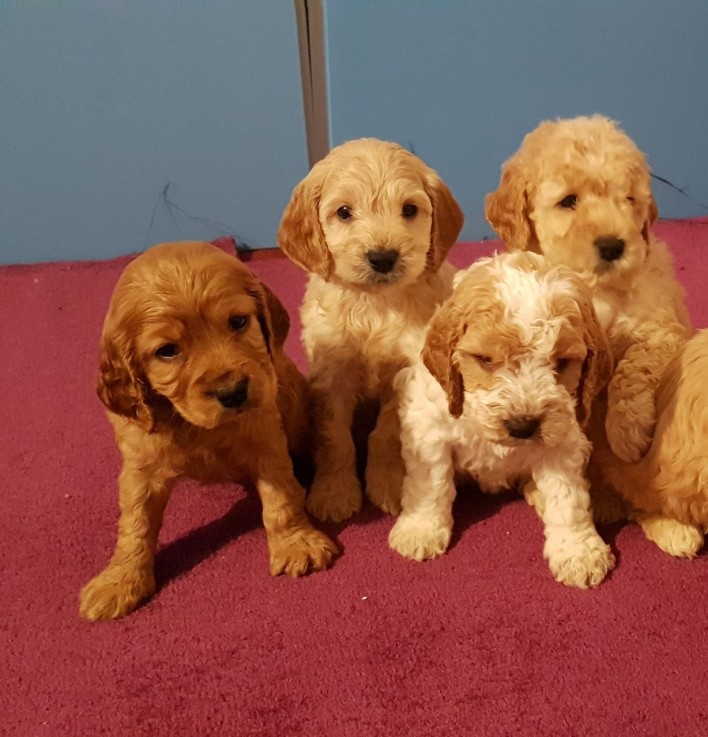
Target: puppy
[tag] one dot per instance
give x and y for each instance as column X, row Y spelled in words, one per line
column 193, row 374
column 672, row 478
column 372, row 224
column 511, row 364
column 578, row 191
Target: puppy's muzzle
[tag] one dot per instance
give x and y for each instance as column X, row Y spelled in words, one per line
column 522, row 428
column 609, row 248
column 383, row 260
column 233, row 397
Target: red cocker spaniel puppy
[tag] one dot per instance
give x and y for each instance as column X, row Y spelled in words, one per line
column 197, row 385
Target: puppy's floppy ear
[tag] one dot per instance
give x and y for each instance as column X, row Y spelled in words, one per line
column 300, row 234
column 121, row 385
column 652, row 215
column 445, row 330
column 272, row 317
column 507, row 209
column 448, row 219
column 598, row 365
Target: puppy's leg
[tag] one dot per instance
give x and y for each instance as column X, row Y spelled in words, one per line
column 576, row 554
column 384, row 466
column 336, row 492
column 129, row 577
column 607, row 505
column 631, row 401
column 294, row 545
column 425, row 526
column 533, row 496
column 644, row 487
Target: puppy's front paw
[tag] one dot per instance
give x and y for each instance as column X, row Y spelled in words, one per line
column 115, row 592
column 419, row 540
column 583, row 563
column 630, row 427
column 297, row 552
column 334, row 497
column 672, row 536
column 384, row 484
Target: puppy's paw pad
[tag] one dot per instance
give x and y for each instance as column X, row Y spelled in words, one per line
column 418, row 541
column 300, row 552
column 114, row 593
column 673, row 537
column 334, row 497
column 585, row 567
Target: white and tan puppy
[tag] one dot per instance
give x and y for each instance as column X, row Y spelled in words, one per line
column 579, row 192
column 372, row 224
column 511, row 364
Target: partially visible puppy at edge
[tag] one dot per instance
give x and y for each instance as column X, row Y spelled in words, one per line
column 579, row 192
column 672, row 478
column 511, row 365
column 372, row 224
column 193, row 374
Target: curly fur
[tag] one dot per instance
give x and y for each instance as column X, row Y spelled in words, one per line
column 511, row 364
column 362, row 323
column 579, row 192
column 196, row 384
column 672, row 478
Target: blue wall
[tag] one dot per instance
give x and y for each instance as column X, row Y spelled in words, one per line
column 462, row 82
column 104, row 103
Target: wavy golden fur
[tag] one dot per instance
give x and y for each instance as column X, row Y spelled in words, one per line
column 193, row 374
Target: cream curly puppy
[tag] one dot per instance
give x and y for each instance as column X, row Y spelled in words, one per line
column 372, row 224
column 579, row 192
column 511, row 364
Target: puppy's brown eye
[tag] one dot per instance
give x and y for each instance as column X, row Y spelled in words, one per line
column 167, row 351
column 483, row 360
column 630, row 200
column 562, row 364
column 569, row 202
column 238, row 322
column 344, row 213
column 409, row 211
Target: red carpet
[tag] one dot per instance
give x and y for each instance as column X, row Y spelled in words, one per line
column 481, row 642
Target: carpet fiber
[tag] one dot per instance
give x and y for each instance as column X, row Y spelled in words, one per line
column 480, row 642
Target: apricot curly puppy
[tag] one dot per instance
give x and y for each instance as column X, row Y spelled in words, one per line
column 193, row 374
column 372, row 224
column 671, row 480
column 579, row 192
column 511, row 365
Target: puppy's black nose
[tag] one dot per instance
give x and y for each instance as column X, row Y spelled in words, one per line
column 383, row 260
column 522, row 428
column 234, row 398
column 609, row 247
